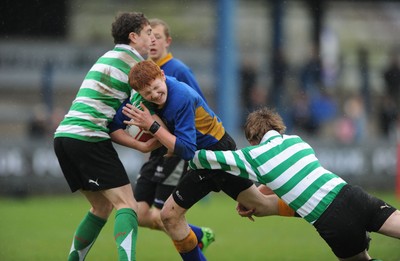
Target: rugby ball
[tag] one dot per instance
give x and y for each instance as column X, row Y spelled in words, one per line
column 138, row 133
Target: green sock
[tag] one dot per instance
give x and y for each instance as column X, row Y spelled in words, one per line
column 85, row 235
column 125, row 233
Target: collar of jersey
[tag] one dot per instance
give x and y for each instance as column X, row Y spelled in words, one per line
column 131, row 49
column 164, row 60
column 270, row 135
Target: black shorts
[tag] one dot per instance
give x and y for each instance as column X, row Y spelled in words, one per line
column 90, row 166
column 158, row 177
column 196, row 184
column 345, row 223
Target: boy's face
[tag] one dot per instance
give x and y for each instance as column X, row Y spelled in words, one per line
column 159, row 48
column 156, row 92
column 144, row 40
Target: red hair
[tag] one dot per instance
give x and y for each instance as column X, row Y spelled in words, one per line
column 143, row 74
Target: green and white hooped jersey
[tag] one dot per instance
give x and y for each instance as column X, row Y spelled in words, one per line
column 136, row 99
column 287, row 165
column 102, row 92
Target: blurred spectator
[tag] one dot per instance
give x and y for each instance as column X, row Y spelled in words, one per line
column 388, row 115
column 278, row 74
column 391, row 76
column 363, row 63
column 351, row 128
column 248, row 80
column 390, row 102
column 330, row 57
column 56, row 117
column 300, row 115
column 310, row 74
column 258, row 98
column 323, row 109
column 309, row 115
column 38, row 124
column 312, row 106
column 42, row 123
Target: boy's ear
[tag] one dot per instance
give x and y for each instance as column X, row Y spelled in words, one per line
column 169, row 41
column 163, row 75
column 132, row 36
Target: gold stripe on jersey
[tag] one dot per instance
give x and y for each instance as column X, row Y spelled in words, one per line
column 208, row 125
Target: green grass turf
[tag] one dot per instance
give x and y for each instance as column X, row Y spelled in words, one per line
column 41, row 228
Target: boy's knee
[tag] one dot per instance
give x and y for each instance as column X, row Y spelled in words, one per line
column 165, row 215
column 168, row 217
column 102, row 210
column 157, row 223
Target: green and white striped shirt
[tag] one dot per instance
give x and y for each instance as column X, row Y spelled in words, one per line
column 287, row 165
column 102, row 92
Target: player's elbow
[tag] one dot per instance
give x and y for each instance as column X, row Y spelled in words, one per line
column 188, row 155
column 185, row 152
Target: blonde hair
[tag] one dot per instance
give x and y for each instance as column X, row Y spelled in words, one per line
column 156, row 21
column 261, row 121
column 143, row 74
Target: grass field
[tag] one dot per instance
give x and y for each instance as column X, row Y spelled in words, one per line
column 41, row 228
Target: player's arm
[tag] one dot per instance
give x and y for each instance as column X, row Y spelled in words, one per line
column 184, row 146
column 120, row 137
column 143, row 119
column 282, row 209
column 265, row 190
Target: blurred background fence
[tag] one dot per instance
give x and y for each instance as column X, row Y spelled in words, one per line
column 331, row 68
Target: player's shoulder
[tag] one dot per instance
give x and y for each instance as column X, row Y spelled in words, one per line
column 179, row 62
column 176, row 85
column 179, row 66
column 179, row 91
column 173, row 82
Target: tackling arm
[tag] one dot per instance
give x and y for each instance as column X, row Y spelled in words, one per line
column 271, row 202
column 145, row 120
column 122, row 138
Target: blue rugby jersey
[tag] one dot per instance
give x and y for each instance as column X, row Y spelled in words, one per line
column 171, row 67
column 186, row 115
column 190, row 119
column 176, row 68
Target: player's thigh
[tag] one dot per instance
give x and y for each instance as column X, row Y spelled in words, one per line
column 93, row 166
column 145, row 189
column 143, row 209
column 121, row 197
column 194, row 186
column 379, row 216
column 162, row 194
column 63, row 148
column 101, row 206
column 171, row 211
column 360, row 256
column 343, row 223
column 233, row 186
column 144, row 213
column 391, row 227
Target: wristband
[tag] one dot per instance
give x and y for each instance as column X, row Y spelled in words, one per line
column 154, row 127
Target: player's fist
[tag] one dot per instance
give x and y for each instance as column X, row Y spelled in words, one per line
column 244, row 212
